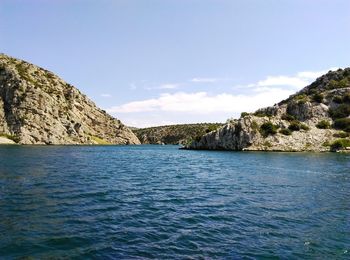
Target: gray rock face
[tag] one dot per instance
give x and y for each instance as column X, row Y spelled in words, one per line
column 39, row 108
column 304, row 111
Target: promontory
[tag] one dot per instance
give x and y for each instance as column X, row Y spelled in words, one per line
column 37, row 107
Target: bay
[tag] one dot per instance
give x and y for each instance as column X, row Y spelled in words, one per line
column 148, row 201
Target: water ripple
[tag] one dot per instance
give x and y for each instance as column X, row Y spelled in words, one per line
column 146, row 202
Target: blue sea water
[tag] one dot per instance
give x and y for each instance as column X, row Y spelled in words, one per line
column 140, row 202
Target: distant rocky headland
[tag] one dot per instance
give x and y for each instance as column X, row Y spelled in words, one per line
column 174, row 134
column 37, row 107
column 317, row 118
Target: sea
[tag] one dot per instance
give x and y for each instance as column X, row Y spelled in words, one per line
column 159, row 202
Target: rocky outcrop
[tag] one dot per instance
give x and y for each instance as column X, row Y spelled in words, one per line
column 5, row 140
column 314, row 119
column 174, row 134
column 37, row 107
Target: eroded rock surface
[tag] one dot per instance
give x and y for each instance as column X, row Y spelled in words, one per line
column 37, row 107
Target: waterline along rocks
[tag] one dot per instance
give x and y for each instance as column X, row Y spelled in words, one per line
column 317, row 118
column 37, row 107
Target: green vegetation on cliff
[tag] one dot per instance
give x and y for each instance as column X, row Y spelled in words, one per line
column 174, row 134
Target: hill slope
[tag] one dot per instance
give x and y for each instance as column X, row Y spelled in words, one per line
column 37, row 107
column 174, row 134
column 314, row 119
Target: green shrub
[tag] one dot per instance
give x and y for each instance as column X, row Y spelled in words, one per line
column 14, row 138
column 341, row 111
column 285, row 131
column 338, row 99
column 260, row 114
column 294, row 126
column 342, row 123
column 324, row 124
column 268, row 128
column 198, row 138
column 255, row 125
column 211, row 128
column 340, row 144
column 334, row 84
column 288, row 117
column 346, row 98
column 304, row 127
column 267, row 144
column 99, row 140
column 243, row 114
column 326, row 144
column 341, row 135
column 318, row 97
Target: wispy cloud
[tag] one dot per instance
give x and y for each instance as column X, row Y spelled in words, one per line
column 301, row 79
column 203, row 102
column 164, row 86
column 205, row 80
column 106, row 95
column 169, row 86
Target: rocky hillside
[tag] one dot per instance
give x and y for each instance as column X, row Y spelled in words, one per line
column 174, row 134
column 317, row 118
column 37, row 107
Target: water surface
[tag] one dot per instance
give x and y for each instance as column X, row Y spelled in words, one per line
column 123, row 202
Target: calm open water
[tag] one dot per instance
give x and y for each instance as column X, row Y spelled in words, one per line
column 122, row 202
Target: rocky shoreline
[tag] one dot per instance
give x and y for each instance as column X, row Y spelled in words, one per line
column 316, row 119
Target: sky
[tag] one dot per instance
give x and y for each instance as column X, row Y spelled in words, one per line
column 159, row 62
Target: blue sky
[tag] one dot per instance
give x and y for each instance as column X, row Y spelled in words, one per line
column 154, row 62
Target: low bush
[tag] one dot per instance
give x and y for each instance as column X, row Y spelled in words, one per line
column 294, row 126
column 342, row 123
column 340, row 144
column 243, row 114
column 318, row 97
column 211, row 128
column 334, row 84
column 255, row 125
column 346, row 98
column 304, row 127
column 14, row 138
column 338, row 99
column 260, row 114
column 324, row 124
column 285, row 131
column 268, row 128
column 288, row 117
column 341, row 135
column 341, row 111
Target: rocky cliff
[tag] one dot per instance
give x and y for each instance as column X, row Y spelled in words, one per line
column 314, row 119
column 174, row 134
column 37, row 107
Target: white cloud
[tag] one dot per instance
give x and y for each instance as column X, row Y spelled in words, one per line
column 282, row 81
column 203, row 103
column 298, row 81
column 185, row 107
column 312, row 75
column 169, row 86
column 205, row 80
column 106, row 95
column 164, row 86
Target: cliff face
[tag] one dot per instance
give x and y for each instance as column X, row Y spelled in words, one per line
column 37, row 107
column 174, row 134
column 314, row 119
